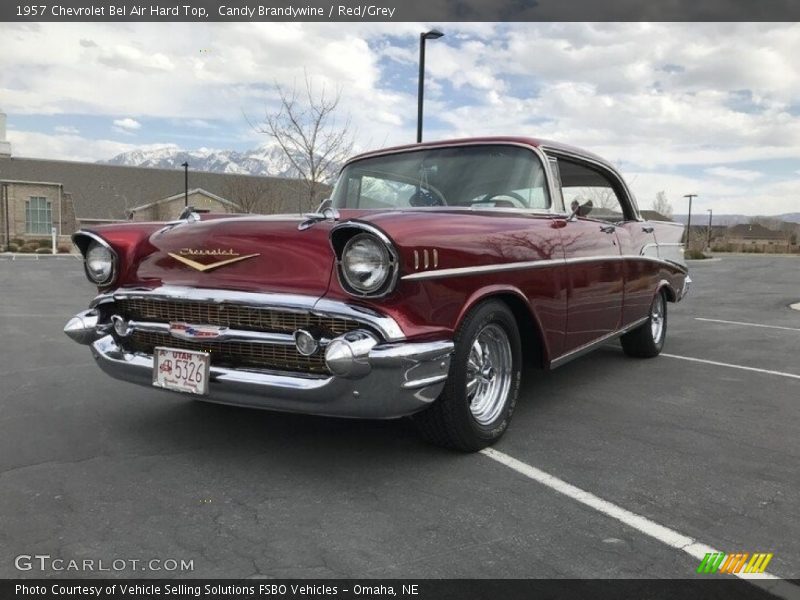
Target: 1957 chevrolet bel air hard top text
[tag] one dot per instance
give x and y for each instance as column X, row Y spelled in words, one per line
column 422, row 287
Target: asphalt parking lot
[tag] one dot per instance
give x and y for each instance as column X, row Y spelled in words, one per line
column 94, row 468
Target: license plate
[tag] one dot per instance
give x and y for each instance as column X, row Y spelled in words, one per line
column 181, row 370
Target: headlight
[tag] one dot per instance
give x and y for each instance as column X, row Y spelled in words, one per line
column 99, row 263
column 366, row 263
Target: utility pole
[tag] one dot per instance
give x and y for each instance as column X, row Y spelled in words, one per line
column 708, row 233
column 689, row 221
column 433, row 34
column 185, row 184
column 4, row 196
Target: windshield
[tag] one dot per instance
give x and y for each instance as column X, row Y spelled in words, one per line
column 491, row 176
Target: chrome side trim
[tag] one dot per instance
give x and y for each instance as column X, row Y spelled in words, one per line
column 384, row 325
column 515, row 266
column 533, row 264
column 586, row 348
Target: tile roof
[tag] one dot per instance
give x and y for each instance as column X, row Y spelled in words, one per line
column 104, row 191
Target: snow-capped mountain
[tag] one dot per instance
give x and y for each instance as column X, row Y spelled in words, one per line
column 263, row 160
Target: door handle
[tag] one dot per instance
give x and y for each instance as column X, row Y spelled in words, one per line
column 647, row 228
column 607, row 228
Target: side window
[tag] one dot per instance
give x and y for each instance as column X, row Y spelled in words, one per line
column 580, row 183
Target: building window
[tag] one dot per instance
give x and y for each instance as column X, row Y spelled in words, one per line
column 38, row 215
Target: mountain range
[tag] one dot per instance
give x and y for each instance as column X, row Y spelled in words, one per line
column 264, row 160
column 732, row 219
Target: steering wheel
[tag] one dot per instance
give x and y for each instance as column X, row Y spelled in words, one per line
column 427, row 197
column 518, row 201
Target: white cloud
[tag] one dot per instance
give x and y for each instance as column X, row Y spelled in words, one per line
column 127, row 123
column 728, row 173
column 67, row 129
column 651, row 97
column 70, row 147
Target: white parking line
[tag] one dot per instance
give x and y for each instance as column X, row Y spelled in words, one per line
column 670, row 537
column 746, row 324
column 730, row 366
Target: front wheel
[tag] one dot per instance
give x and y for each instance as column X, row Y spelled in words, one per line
column 647, row 340
column 478, row 400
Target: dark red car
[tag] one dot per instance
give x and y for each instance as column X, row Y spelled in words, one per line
column 422, row 287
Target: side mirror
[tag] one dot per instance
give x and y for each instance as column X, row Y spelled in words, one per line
column 580, row 210
column 327, row 203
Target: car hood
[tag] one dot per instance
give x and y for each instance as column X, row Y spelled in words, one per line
column 262, row 254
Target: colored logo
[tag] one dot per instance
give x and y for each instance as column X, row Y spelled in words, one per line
column 740, row 562
column 196, row 332
column 183, row 255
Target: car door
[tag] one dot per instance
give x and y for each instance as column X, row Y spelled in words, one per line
column 594, row 265
column 638, row 245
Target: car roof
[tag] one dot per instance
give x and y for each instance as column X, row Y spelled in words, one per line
column 475, row 141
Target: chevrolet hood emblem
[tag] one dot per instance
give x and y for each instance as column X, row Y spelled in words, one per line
column 185, row 253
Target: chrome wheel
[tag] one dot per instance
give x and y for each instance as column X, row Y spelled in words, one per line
column 489, row 367
column 657, row 318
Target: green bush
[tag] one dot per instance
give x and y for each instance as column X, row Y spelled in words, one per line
column 12, row 247
column 26, row 249
column 18, row 241
column 43, row 250
column 694, row 255
column 45, row 243
column 64, row 249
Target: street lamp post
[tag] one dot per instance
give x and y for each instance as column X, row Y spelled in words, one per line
column 689, row 221
column 708, row 233
column 185, row 184
column 433, row 34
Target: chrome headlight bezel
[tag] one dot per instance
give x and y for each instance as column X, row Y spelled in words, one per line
column 102, row 254
column 359, row 237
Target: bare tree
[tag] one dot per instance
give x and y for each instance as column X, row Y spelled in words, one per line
column 306, row 130
column 256, row 195
column 662, row 206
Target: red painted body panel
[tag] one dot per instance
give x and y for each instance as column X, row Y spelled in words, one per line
column 592, row 284
column 288, row 261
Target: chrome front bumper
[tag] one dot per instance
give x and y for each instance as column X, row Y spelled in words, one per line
column 397, row 378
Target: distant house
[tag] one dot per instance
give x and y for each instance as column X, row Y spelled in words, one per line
column 37, row 195
column 753, row 236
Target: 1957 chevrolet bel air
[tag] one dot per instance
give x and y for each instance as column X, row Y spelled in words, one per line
column 422, row 287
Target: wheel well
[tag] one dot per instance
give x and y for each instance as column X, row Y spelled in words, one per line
column 668, row 292
column 533, row 349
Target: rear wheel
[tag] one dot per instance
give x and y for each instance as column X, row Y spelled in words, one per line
column 647, row 340
column 478, row 400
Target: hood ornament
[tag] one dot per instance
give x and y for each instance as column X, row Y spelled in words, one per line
column 183, row 255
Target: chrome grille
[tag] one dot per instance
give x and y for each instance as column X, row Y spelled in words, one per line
column 232, row 315
column 232, row 354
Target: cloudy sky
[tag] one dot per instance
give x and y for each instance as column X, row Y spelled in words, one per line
column 712, row 109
